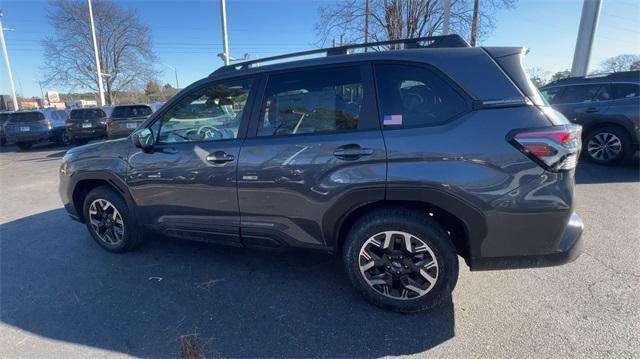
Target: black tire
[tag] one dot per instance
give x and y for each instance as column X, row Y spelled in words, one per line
column 419, row 225
column 594, row 138
column 131, row 236
column 64, row 139
column 24, row 145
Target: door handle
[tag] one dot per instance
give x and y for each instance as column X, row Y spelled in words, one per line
column 592, row 109
column 352, row 152
column 220, row 157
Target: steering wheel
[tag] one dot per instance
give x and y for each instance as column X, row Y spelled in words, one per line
column 210, row 133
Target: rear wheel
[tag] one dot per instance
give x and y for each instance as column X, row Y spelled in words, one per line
column 607, row 145
column 109, row 221
column 24, row 145
column 64, row 138
column 401, row 260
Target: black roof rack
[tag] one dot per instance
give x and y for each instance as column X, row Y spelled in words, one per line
column 413, row 43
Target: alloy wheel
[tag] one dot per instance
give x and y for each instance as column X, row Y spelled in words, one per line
column 398, row 265
column 604, row 146
column 106, row 221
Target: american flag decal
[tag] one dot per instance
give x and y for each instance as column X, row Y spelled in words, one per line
column 392, row 120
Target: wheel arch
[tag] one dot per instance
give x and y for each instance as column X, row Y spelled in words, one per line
column 464, row 223
column 85, row 182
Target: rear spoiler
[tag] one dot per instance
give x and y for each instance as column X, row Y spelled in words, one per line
column 509, row 59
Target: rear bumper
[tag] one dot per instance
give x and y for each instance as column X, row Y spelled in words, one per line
column 86, row 133
column 568, row 249
column 27, row 137
column 114, row 133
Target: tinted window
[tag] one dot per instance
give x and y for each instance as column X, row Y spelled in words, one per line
column 415, row 96
column 312, row 101
column 625, row 90
column 131, row 111
column 25, row 117
column 87, row 113
column 551, row 94
column 584, row 93
column 207, row 114
column 3, row 117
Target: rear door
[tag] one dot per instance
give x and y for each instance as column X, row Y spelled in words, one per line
column 314, row 150
column 186, row 186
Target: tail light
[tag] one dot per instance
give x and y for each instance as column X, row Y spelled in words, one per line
column 104, row 120
column 68, row 122
column 555, row 148
column 46, row 122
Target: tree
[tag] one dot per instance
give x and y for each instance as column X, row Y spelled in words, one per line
column 635, row 66
column 400, row 19
column 538, row 76
column 152, row 88
column 560, row 75
column 124, row 45
column 619, row 63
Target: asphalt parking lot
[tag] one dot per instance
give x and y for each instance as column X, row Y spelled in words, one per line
column 63, row 296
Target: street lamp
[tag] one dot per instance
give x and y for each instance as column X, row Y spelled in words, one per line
column 7, row 64
column 175, row 72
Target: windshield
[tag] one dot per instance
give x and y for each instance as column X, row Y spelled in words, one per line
column 131, row 111
column 26, row 117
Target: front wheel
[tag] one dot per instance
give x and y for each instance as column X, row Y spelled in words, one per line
column 109, row 221
column 401, row 259
column 64, row 139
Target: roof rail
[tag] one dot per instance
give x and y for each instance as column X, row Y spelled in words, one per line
column 413, row 43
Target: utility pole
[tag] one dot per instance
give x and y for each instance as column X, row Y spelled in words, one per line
column 341, row 39
column 44, row 100
column 447, row 13
column 474, row 23
column 95, row 51
column 366, row 23
column 225, row 44
column 586, row 34
column 7, row 64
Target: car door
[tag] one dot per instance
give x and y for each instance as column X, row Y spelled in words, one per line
column 186, row 186
column 584, row 104
column 315, row 150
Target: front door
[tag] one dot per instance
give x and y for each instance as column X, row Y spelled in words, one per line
column 186, row 186
column 315, row 149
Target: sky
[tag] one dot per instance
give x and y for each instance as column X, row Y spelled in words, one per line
column 187, row 34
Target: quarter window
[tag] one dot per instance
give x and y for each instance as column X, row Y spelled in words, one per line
column 207, row 114
column 312, row 102
column 551, row 94
column 415, row 96
column 621, row 91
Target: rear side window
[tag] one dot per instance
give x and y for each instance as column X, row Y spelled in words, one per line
column 26, row 117
column 415, row 96
column 621, row 91
column 131, row 111
column 313, row 101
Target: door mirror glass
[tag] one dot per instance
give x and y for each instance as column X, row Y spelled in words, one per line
column 143, row 139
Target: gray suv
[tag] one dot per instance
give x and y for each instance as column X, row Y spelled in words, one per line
column 607, row 108
column 399, row 161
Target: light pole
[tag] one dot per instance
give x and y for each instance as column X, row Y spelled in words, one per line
column 95, row 51
column 7, row 64
column 447, row 13
column 175, row 72
column 225, row 44
column 586, row 34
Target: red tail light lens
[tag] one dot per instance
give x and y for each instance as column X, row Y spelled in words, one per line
column 46, row 122
column 555, row 148
column 104, row 120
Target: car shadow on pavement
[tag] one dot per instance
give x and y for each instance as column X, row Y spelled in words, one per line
column 590, row 173
column 55, row 282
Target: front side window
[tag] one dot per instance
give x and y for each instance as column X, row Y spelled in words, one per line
column 415, row 96
column 551, row 94
column 313, row 101
column 621, row 91
column 210, row 113
column 584, row 93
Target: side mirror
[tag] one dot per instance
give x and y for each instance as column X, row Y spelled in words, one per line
column 143, row 139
